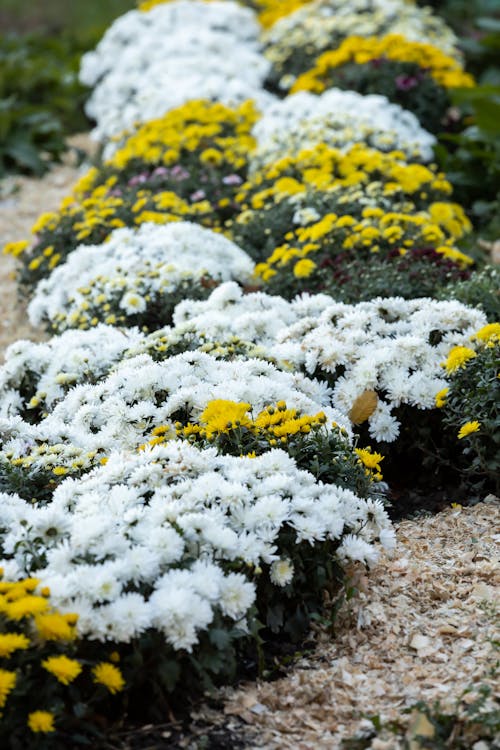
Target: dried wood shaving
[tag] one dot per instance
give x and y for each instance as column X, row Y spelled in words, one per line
column 421, row 630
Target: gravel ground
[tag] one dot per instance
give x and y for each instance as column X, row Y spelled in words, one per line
column 22, row 200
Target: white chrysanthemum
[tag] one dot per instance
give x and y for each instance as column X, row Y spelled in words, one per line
column 214, row 504
column 134, row 265
column 210, row 49
column 53, row 367
column 392, row 346
column 237, row 596
column 121, row 410
column 338, row 119
column 281, row 572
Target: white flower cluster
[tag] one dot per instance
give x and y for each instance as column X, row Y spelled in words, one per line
column 133, row 268
column 256, row 317
column 146, row 540
column 39, row 374
column 315, row 25
column 149, row 63
column 392, row 346
column 338, row 119
column 139, row 394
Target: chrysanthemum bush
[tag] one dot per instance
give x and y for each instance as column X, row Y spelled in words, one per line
column 295, row 41
column 470, row 406
column 171, row 555
column 54, row 687
column 299, row 190
column 324, row 208
column 339, row 119
column 413, row 74
column 187, row 165
column 381, row 358
column 138, row 395
column 137, row 277
column 37, row 375
column 210, row 49
column 481, row 289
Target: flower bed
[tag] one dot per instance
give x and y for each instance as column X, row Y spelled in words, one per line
column 191, row 474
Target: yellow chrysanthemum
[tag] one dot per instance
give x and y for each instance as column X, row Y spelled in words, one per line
column 441, row 398
column 7, row 684
column 41, row 721
column 303, row 268
column 108, row 675
column 10, row 642
column 468, row 428
column 489, row 332
column 64, row 669
column 54, row 627
column 369, row 459
column 458, row 358
column 221, row 415
column 26, row 606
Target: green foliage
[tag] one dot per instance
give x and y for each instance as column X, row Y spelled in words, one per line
column 349, row 278
column 41, row 101
column 472, row 158
column 474, row 397
column 481, row 289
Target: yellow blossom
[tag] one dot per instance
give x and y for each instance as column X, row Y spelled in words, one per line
column 41, row 721
column 468, row 428
column 108, row 675
column 7, row 684
column 10, row 642
column 441, row 398
column 64, row 669
column 369, row 459
column 221, row 415
column 489, row 332
column 458, row 357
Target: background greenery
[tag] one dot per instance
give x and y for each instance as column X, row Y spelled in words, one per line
column 41, row 101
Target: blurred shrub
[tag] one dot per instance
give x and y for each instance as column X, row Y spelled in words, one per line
column 41, row 100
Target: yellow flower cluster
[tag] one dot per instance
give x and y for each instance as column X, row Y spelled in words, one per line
column 101, row 213
column 458, row 358
column 22, row 608
column 187, row 128
column 221, row 417
column 376, row 229
column 445, row 70
column 330, row 170
column 371, row 462
column 488, row 335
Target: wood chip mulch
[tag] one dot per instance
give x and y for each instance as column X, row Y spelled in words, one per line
column 424, row 627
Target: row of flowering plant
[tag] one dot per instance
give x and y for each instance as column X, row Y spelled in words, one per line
column 413, row 74
column 294, row 42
